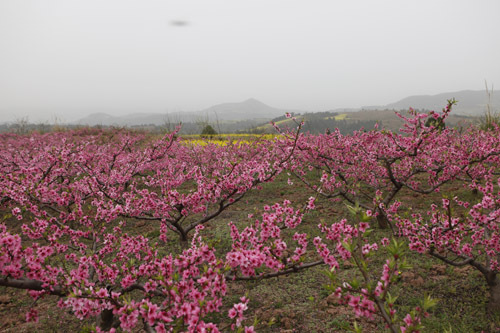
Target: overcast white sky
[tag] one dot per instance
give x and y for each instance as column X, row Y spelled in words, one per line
column 66, row 59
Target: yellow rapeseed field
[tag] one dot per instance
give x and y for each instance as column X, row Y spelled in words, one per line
column 225, row 139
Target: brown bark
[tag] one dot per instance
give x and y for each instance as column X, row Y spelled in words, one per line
column 105, row 320
column 493, row 306
column 383, row 222
column 24, row 283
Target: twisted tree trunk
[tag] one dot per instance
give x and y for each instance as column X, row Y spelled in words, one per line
column 493, row 306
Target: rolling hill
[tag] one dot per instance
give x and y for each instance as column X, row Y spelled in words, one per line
column 470, row 102
column 250, row 109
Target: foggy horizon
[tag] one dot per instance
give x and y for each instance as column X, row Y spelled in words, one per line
column 65, row 60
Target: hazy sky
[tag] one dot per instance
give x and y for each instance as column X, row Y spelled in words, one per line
column 66, row 59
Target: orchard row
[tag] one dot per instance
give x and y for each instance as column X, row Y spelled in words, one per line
column 67, row 199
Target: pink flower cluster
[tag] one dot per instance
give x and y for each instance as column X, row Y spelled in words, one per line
column 261, row 245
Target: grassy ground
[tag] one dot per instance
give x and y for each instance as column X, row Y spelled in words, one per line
column 299, row 302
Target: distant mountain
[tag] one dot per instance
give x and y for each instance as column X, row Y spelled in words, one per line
column 470, row 102
column 97, row 118
column 127, row 120
column 251, row 109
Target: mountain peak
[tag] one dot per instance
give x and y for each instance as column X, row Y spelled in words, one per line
column 252, row 101
column 248, row 109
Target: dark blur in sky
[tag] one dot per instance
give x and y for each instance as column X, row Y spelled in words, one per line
column 61, row 60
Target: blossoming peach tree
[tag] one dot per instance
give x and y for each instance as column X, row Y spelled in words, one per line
column 76, row 196
column 373, row 167
column 461, row 233
column 259, row 251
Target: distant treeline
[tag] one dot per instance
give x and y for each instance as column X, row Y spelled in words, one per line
column 314, row 123
column 322, row 122
column 25, row 127
column 345, row 126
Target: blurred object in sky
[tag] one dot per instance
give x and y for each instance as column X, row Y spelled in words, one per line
column 179, row 23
